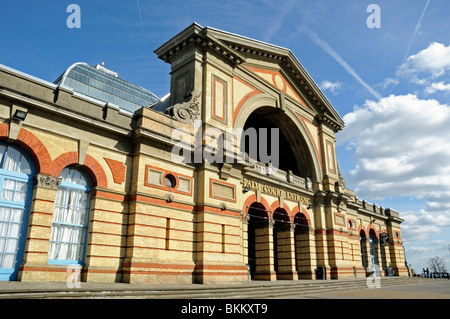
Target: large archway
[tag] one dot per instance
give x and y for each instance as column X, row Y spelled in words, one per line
column 263, row 111
column 258, row 240
column 294, row 153
column 283, row 245
column 303, row 247
column 373, row 248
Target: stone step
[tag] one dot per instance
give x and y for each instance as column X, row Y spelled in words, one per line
column 242, row 291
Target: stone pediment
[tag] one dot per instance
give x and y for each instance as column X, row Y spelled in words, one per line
column 279, row 81
column 288, row 76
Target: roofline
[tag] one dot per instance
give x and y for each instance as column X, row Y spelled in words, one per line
column 63, row 76
column 28, row 76
column 201, row 34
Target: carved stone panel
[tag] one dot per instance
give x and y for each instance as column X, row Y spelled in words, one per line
column 46, row 181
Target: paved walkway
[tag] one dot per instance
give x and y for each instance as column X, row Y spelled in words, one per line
column 428, row 289
column 434, row 289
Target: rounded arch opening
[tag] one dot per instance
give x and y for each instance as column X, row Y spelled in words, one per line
column 270, row 135
column 256, row 228
column 280, row 231
column 362, row 242
column 16, row 173
column 69, row 229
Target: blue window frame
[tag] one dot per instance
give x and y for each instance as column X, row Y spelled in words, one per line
column 372, row 250
column 362, row 240
column 16, row 173
column 70, row 219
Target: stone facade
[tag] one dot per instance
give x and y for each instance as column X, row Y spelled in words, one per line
column 155, row 220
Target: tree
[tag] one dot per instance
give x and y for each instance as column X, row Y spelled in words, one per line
column 436, row 264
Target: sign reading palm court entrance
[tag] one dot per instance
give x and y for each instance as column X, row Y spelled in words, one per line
column 275, row 191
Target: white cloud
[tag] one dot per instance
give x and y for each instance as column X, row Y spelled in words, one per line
column 333, row 87
column 432, row 61
column 434, row 87
column 388, row 82
column 401, row 148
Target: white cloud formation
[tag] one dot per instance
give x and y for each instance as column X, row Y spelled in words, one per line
column 435, row 87
column 433, row 61
column 389, row 82
column 333, row 87
column 402, row 148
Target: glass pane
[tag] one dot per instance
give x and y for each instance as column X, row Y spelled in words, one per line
column 63, row 251
column 25, row 166
column 21, row 186
column 12, row 159
column 11, row 245
column 76, row 252
column 2, row 152
column 14, row 230
column 16, row 215
column 3, row 231
column 19, row 197
column 53, row 250
column 8, row 261
column 64, row 174
column 8, row 195
column 4, row 213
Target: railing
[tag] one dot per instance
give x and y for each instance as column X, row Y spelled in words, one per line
column 281, row 175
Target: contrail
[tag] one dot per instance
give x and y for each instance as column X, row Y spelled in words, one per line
column 416, row 30
column 338, row 59
column 140, row 18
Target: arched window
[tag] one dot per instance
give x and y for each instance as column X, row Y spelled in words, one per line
column 16, row 173
column 362, row 241
column 372, row 240
column 70, row 219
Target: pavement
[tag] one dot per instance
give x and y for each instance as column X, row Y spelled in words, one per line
column 424, row 289
column 432, row 289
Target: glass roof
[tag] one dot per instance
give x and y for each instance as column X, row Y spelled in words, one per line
column 105, row 85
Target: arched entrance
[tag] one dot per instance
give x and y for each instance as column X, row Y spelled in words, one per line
column 303, row 251
column 362, row 242
column 373, row 245
column 258, row 241
column 283, row 245
column 287, row 150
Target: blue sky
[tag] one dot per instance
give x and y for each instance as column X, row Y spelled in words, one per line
column 390, row 84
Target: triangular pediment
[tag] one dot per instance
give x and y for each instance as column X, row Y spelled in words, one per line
column 278, row 81
column 288, row 76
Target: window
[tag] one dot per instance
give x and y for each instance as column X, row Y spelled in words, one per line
column 70, row 219
column 170, row 181
column 15, row 185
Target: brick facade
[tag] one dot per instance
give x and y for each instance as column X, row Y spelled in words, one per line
column 143, row 231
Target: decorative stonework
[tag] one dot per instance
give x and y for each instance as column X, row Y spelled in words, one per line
column 187, row 112
column 46, row 181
